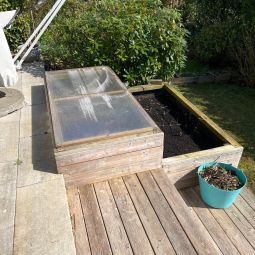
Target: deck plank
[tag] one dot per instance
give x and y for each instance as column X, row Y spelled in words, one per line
column 215, row 230
column 79, row 228
column 246, row 210
column 242, row 223
column 232, row 231
column 97, row 235
column 170, row 223
column 115, row 229
column 249, row 197
column 200, row 238
column 153, row 227
column 135, row 231
column 234, row 234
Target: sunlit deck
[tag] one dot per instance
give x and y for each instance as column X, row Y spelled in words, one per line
column 137, row 214
column 145, row 214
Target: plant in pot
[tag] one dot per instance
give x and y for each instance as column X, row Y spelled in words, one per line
column 220, row 184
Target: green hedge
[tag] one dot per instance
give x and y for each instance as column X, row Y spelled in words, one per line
column 139, row 40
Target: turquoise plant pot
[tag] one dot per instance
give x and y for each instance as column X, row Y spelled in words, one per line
column 216, row 197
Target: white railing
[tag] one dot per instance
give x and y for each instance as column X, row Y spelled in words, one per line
column 36, row 35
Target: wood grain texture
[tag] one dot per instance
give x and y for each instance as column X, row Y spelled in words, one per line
column 134, row 228
column 114, row 162
column 212, row 226
column 148, row 87
column 242, row 223
column 249, row 197
column 112, row 220
column 79, row 227
column 108, row 148
column 97, row 235
column 170, row 223
column 181, row 169
column 246, row 210
column 88, row 177
column 152, row 226
column 200, row 238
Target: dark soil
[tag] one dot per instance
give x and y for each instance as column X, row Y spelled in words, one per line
column 183, row 132
column 221, row 178
column 2, row 94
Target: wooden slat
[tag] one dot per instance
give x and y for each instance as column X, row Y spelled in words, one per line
column 200, row 238
column 172, row 227
column 135, row 231
column 246, row 210
column 113, row 172
column 181, row 169
column 249, row 197
column 215, row 230
column 150, row 221
column 148, row 87
column 79, row 228
column 242, row 223
column 97, row 235
column 114, row 227
column 109, row 148
column 190, row 161
column 94, row 166
column 232, row 231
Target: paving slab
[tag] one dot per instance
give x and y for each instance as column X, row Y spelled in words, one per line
column 8, row 175
column 7, row 205
column 34, row 94
column 6, row 241
column 34, row 120
column 9, row 137
column 37, row 160
column 8, row 172
column 43, row 223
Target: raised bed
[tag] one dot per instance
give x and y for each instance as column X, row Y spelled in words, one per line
column 191, row 138
column 99, row 129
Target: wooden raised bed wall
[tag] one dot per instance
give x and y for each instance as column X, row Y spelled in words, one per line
column 181, row 169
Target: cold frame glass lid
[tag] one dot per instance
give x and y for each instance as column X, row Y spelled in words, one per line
column 82, row 81
column 92, row 103
column 98, row 115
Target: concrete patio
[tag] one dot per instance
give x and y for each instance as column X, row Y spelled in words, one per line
column 34, row 216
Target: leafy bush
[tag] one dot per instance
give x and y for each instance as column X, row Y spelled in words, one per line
column 138, row 39
column 30, row 14
column 243, row 52
column 20, row 29
column 222, row 33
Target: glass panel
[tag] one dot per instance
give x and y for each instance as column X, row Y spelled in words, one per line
column 98, row 115
column 75, row 82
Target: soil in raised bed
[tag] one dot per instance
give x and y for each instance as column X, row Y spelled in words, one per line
column 183, row 133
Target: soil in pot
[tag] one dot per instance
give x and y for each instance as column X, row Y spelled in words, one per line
column 183, row 132
column 221, row 178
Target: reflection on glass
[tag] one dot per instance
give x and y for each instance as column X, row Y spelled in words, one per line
column 75, row 82
column 98, row 115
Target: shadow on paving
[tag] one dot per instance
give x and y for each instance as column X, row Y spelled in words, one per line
column 42, row 145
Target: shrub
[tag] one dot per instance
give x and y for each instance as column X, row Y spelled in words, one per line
column 30, row 15
column 138, row 39
column 243, row 52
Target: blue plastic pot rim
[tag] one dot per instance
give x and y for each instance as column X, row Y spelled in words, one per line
column 215, row 163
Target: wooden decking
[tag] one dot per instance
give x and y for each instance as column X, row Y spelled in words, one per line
column 232, row 229
column 145, row 214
